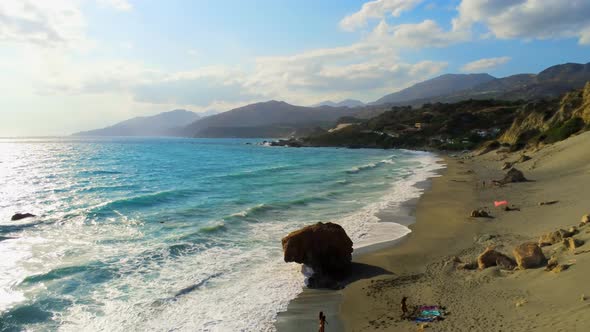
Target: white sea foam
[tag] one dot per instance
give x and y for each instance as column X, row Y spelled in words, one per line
column 251, row 286
column 364, row 226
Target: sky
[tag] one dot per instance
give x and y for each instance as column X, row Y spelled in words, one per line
column 72, row 65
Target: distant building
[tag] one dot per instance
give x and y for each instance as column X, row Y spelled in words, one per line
column 486, row 132
column 480, row 132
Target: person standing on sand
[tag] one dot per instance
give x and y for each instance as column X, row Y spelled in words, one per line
column 323, row 322
column 404, row 306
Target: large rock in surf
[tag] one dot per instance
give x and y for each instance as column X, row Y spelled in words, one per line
column 19, row 216
column 323, row 247
column 529, row 255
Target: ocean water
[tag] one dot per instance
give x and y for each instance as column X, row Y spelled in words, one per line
column 143, row 234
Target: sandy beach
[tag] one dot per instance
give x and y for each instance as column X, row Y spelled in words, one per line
column 422, row 266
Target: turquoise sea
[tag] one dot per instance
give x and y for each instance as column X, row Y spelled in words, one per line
column 154, row 234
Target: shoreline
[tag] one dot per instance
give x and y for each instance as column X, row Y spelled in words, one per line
column 302, row 311
column 413, row 252
column 424, row 267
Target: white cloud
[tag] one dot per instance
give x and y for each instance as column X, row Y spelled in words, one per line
column 527, row 19
column 484, row 64
column 51, row 24
column 419, row 35
column 376, row 9
column 127, row 45
column 122, row 5
column 366, row 68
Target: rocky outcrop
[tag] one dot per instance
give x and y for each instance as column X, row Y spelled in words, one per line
column 552, row 263
column 506, row 263
column 555, row 237
column 506, row 165
column 19, row 216
column 323, row 247
column 540, row 117
column 491, row 257
column 529, row 255
column 512, row 176
column 479, row 214
column 487, row 147
column 554, row 266
column 571, row 244
column 523, row 158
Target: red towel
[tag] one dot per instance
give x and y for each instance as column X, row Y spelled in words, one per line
column 500, row 203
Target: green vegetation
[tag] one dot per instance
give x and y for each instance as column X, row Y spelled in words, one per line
column 457, row 126
column 563, row 131
column 465, row 125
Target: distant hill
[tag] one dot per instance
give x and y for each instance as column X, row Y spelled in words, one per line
column 438, row 86
column 549, row 83
column 344, row 103
column 266, row 119
column 163, row 124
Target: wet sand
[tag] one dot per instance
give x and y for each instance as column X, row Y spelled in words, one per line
column 302, row 312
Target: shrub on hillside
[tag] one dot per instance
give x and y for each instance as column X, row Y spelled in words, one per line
column 563, row 131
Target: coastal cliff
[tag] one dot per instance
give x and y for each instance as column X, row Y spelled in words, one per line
column 550, row 121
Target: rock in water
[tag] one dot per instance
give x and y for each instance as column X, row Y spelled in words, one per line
column 325, row 248
column 529, row 255
column 513, row 175
column 19, row 216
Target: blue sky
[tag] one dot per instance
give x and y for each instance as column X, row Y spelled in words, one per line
column 71, row 65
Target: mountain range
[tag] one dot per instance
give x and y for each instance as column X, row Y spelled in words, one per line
column 438, row 86
column 343, row 103
column 549, row 83
column 163, row 124
column 280, row 119
column 267, row 119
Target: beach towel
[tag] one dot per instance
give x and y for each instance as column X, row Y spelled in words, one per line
column 428, row 314
column 500, row 203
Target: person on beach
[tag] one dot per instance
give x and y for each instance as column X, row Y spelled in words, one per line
column 323, row 322
column 404, row 306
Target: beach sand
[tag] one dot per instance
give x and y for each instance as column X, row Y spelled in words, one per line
column 421, row 266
